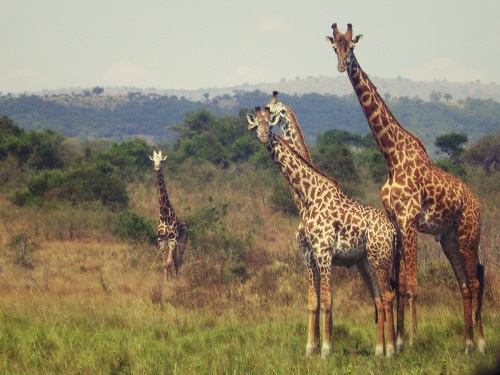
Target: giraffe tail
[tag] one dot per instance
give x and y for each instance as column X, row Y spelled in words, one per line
column 399, row 254
column 480, row 277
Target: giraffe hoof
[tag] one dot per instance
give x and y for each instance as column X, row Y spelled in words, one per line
column 469, row 347
column 400, row 346
column 326, row 351
column 312, row 350
column 481, row 346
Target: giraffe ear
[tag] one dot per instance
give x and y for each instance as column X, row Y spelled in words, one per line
column 151, row 158
column 357, row 39
column 330, row 39
column 275, row 119
column 251, row 121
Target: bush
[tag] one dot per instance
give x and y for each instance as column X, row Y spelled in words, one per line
column 455, row 169
column 22, row 251
column 281, row 198
column 90, row 183
column 134, row 228
column 211, row 240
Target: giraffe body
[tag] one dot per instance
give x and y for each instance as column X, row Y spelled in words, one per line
column 419, row 196
column 335, row 231
column 171, row 231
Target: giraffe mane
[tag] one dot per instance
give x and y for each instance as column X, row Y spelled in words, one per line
column 309, row 165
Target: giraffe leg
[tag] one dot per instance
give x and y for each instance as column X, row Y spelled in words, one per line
column 167, row 267
column 364, row 269
column 478, row 303
column 451, row 249
column 409, row 240
column 326, row 306
column 379, row 348
column 400, row 302
column 313, row 308
column 388, row 296
column 400, row 286
column 468, row 244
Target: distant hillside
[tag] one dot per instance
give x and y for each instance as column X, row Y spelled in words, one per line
column 320, row 104
column 340, row 86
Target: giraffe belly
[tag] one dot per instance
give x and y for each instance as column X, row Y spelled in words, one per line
column 347, row 256
column 432, row 222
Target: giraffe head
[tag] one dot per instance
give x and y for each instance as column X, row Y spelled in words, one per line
column 262, row 122
column 278, row 110
column 157, row 158
column 343, row 45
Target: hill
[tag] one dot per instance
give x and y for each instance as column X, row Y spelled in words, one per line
column 427, row 109
column 340, row 86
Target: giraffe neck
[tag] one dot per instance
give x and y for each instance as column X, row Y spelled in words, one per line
column 292, row 133
column 303, row 177
column 167, row 213
column 391, row 137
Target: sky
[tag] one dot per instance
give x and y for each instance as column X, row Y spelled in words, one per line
column 188, row 44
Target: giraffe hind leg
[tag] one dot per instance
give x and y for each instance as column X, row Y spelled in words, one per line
column 450, row 246
column 481, row 344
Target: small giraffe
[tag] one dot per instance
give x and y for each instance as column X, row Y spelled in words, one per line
column 336, row 231
column 419, row 196
column 172, row 231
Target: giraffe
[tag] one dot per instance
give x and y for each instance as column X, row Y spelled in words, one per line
column 336, row 231
column 419, row 196
column 172, row 231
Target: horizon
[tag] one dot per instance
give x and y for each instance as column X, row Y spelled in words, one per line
column 187, row 46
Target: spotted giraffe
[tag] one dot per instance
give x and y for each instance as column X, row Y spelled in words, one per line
column 172, row 231
column 419, row 196
column 337, row 231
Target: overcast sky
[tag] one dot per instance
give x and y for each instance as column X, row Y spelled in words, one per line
column 187, row 44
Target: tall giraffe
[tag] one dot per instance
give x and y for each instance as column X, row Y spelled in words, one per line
column 420, row 197
column 336, row 231
column 172, row 231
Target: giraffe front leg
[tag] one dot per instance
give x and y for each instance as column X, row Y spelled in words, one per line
column 313, row 308
column 326, row 306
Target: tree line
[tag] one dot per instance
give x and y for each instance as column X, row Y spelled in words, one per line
column 136, row 114
column 43, row 166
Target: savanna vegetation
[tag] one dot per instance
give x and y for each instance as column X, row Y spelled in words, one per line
column 82, row 285
column 90, row 114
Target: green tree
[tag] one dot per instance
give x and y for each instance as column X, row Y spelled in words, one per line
column 97, row 90
column 485, row 153
column 435, row 96
column 452, row 144
column 337, row 161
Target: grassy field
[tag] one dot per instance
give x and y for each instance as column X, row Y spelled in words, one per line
column 91, row 305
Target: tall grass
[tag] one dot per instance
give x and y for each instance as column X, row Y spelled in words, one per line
column 93, row 305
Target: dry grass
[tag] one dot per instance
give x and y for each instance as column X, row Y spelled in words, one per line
column 92, row 305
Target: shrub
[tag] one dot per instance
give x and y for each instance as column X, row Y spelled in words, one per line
column 22, row 251
column 90, row 183
column 134, row 228
column 281, row 198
